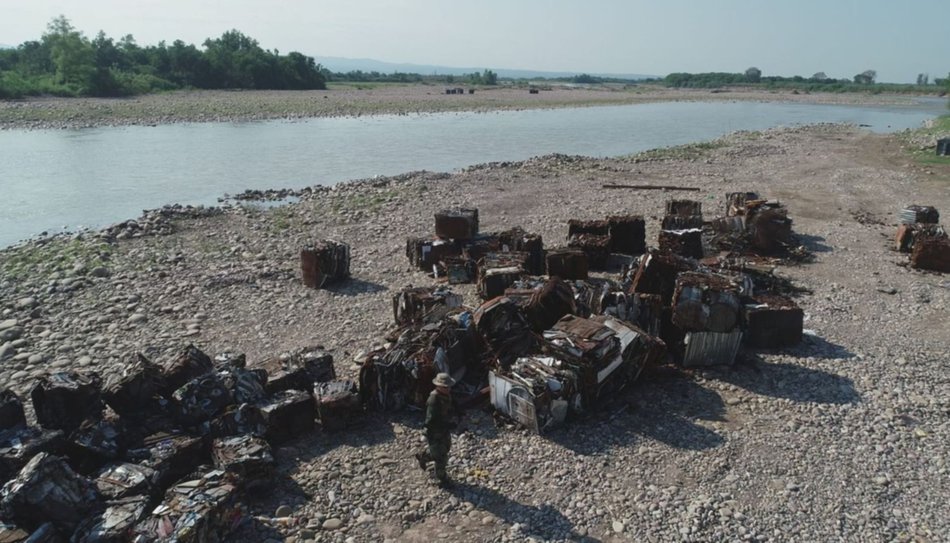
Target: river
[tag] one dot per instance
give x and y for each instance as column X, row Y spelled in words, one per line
column 51, row 180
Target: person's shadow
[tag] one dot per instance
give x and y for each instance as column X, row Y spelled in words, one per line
column 540, row 521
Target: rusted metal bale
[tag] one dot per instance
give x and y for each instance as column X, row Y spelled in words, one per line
column 917, row 214
column 931, row 252
column 596, row 247
column 688, row 243
column 627, row 234
column 498, row 271
column 191, row 362
column 770, row 229
column 772, row 321
column 48, row 490
column 568, row 264
column 456, row 224
column 324, row 262
column 63, row 400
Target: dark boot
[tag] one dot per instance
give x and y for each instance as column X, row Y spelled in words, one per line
column 423, row 461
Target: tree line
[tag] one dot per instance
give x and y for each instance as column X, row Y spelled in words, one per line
column 64, row 62
column 864, row 81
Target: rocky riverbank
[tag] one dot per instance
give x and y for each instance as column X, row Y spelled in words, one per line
column 846, row 436
column 346, row 100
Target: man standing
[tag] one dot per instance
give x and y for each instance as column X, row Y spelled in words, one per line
column 438, row 425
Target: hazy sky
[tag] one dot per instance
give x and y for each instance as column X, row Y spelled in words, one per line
column 898, row 38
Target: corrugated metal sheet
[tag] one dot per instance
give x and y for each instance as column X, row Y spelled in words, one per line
column 711, row 348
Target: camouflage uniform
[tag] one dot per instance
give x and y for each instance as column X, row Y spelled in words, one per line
column 438, row 424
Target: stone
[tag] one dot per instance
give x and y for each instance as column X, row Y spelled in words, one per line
column 9, row 323
column 618, row 527
column 332, row 524
column 137, row 318
column 100, row 271
column 283, row 511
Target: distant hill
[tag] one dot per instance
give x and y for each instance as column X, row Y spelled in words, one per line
column 340, row 64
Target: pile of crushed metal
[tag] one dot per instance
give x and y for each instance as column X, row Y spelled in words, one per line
column 157, row 451
column 920, row 234
column 551, row 347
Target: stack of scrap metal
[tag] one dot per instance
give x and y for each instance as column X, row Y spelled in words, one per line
column 64, row 400
column 200, row 508
column 244, row 419
column 627, row 234
column 687, row 242
column 456, row 224
column 426, row 254
column 683, row 215
column 768, row 226
column 498, row 271
column 124, row 479
column 402, row 373
column 249, row 458
column 169, row 454
column 568, row 264
column 536, row 391
column 597, row 296
column 95, row 443
column 48, row 490
column 706, row 307
column 917, row 214
column 114, row 524
column 638, row 349
column 772, row 321
column 736, row 203
column 338, row 404
column 516, row 239
column 413, row 304
column 324, row 262
column 505, row 330
column 475, row 249
column 656, row 274
column 297, row 370
column 459, row 270
column 184, row 367
column 591, row 237
column 202, row 399
column 590, row 349
column 132, row 385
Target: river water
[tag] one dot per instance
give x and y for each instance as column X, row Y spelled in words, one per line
column 52, row 180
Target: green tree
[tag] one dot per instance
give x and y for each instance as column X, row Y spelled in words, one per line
column 489, row 77
column 71, row 53
column 866, row 77
column 753, row 75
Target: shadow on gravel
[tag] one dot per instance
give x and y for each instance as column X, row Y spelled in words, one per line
column 355, row 287
column 372, row 429
column 814, row 244
column 542, row 521
column 819, row 347
column 662, row 406
column 789, row 381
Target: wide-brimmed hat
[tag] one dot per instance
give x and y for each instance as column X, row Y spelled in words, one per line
column 443, row 380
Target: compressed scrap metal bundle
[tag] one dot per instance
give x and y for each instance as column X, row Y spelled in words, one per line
column 114, row 524
column 931, row 252
column 498, row 271
column 598, row 297
column 536, row 391
column 64, row 400
column 288, row 414
column 199, row 509
column 244, row 386
column 11, row 410
column 592, row 349
column 769, row 227
column 504, row 330
column 184, row 367
column 413, row 304
column 402, row 373
column 568, row 264
column 657, row 273
column 595, row 247
column 638, row 350
column 683, row 215
column 736, row 202
column 298, row 370
column 249, row 458
column 772, row 321
column 516, row 239
column 456, row 224
column 18, row 445
column 94, row 443
column 324, row 262
column 627, row 234
column 687, row 242
column 476, row 249
column 427, row 254
column 202, row 399
column 907, row 234
column 544, row 302
column 48, row 490
column 459, row 270
column 170, row 455
column 244, row 419
column 916, row 214
column 124, row 479
column 132, row 385
column 338, row 404
column 943, row 147
column 707, row 308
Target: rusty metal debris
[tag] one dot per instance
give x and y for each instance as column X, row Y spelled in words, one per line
column 627, row 234
column 413, row 304
column 18, row 445
column 516, row 239
column 288, row 414
column 498, row 271
column 567, row 264
column 124, row 479
column 772, row 321
column 169, row 454
column 184, row 367
column 931, row 252
column 687, row 242
column 683, row 215
column 201, row 399
column 917, row 214
column 907, row 234
column 114, row 524
column 94, row 443
column 324, row 262
column 132, row 385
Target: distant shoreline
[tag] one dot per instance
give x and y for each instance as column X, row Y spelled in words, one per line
column 352, row 100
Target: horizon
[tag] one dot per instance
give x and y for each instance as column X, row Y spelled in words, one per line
column 898, row 42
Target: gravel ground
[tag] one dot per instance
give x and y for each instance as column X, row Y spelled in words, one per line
column 844, row 437
column 345, row 100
